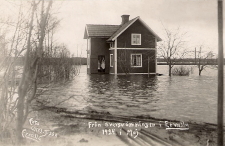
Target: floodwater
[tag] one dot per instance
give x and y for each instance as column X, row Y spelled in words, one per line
column 185, row 98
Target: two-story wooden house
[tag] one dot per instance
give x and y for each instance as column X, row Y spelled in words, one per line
column 129, row 48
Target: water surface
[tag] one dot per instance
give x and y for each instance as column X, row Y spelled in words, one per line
column 178, row 97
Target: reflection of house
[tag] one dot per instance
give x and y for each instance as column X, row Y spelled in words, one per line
column 118, row 49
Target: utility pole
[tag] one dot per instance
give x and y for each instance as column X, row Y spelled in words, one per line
column 195, row 56
column 220, row 75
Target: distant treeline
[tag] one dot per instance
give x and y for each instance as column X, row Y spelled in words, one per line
column 189, row 60
column 53, row 61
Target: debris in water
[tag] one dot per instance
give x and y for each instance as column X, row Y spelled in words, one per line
column 83, row 140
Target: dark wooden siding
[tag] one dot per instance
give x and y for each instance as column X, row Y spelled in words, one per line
column 124, row 65
column 99, row 47
column 147, row 38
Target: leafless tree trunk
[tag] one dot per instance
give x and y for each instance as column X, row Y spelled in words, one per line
column 202, row 60
column 29, row 36
column 24, row 83
column 171, row 48
column 29, row 75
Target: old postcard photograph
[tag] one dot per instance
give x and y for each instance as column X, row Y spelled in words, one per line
column 111, row 73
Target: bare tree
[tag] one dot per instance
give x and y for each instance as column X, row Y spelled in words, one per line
column 203, row 60
column 172, row 47
column 29, row 75
column 29, row 41
column 10, row 50
column 124, row 61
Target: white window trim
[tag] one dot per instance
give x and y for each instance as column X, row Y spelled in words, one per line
column 88, row 60
column 111, row 63
column 131, row 59
column 132, row 38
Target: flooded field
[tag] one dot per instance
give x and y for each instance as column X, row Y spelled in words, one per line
column 178, row 97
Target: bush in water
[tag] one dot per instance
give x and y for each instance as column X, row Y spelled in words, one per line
column 181, row 71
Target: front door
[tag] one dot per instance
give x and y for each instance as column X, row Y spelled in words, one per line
column 101, row 63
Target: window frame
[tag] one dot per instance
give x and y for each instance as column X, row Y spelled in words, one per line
column 135, row 54
column 112, row 45
column 111, row 60
column 132, row 38
column 88, row 60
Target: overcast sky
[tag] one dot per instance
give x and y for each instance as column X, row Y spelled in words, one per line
column 197, row 17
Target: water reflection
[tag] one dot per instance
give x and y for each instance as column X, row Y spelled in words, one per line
column 179, row 97
column 123, row 95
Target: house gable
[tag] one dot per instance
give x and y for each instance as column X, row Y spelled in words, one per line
column 122, row 29
column 127, row 25
column 148, row 39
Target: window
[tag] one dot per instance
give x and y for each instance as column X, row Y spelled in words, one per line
column 135, row 39
column 112, row 45
column 111, row 60
column 88, row 61
column 136, row 60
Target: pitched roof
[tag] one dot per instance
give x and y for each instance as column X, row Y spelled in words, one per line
column 123, row 27
column 113, row 31
column 129, row 23
column 93, row 30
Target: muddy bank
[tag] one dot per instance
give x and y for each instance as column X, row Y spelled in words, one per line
column 94, row 128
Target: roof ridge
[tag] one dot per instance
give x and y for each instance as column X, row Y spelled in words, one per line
column 127, row 24
column 103, row 24
column 116, row 24
column 113, row 31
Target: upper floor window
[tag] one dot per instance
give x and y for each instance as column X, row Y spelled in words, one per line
column 135, row 39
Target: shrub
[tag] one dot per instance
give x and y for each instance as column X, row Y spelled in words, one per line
column 181, row 71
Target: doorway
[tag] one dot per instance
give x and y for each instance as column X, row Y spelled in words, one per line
column 101, row 63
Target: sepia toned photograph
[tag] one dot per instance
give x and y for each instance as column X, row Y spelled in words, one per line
column 111, row 73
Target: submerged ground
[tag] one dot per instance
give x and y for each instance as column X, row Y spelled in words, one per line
column 182, row 98
column 66, row 112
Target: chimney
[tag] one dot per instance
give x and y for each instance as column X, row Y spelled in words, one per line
column 125, row 19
